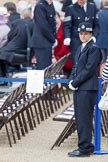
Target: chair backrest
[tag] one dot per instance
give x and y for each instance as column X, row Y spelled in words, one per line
column 56, row 68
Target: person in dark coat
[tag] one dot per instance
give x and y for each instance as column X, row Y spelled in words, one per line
column 102, row 40
column 84, row 83
column 17, row 41
column 44, row 33
column 67, row 3
column 75, row 14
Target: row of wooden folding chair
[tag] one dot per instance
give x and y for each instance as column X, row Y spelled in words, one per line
column 67, row 116
column 21, row 112
column 8, row 108
column 28, row 113
column 19, row 118
column 56, row 68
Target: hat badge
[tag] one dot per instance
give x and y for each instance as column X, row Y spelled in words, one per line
column 83, row 26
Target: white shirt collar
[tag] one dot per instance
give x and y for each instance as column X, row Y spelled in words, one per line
column 84, row 44
column 85, row 6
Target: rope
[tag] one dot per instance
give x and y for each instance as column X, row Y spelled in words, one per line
column 2, row 79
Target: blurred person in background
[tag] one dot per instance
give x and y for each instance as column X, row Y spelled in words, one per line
column 44, row 33
column 98, row 3
column 4, row 29
column 17, row 40
column 102, row 40
column 60, row 50
column 67, row 3
column 32, row 5
column 21, row 5
column 13, row 14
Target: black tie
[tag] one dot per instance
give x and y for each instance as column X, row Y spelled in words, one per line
column 83, row 9
column 82, row 48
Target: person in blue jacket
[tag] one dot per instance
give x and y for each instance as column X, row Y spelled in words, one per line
column 44, row 33
column 102, row 40
column 84, row 83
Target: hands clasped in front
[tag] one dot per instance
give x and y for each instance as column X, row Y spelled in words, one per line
column 71, row 86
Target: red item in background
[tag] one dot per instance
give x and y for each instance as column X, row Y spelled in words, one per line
column 60, row 50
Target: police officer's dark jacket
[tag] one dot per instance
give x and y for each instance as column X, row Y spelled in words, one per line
column 74, row 16
column 85, row 71
column 44, row 25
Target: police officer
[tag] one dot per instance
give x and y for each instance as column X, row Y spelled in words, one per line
column 66, row 3
column 84, row 83
column 79, row 12
column 44, row 32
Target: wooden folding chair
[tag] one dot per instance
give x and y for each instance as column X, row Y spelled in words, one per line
column 66, row 116
column 6, row 109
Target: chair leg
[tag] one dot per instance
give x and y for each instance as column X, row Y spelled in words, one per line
column 29, row 118
column 24, row 121
column 32, row 114
column 40, row 110
column 12, row 132
column 46, row 104
column 17, row 129
column 64, row 133
column 44, row 107
column 21, row 125
column 48, row 96
column 10, row 143
column 37, row 114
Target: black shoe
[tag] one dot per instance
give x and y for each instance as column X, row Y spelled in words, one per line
column 77, row 153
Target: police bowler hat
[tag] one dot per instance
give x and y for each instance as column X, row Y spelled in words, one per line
column 85, row 27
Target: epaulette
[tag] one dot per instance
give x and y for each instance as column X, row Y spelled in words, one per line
column 91, row 3
column 41, row 3
column 95, row 45
column 70, row 5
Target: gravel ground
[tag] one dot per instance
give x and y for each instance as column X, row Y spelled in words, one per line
column 35, row 147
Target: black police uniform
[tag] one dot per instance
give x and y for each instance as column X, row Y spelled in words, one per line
column 44, row 33
column 85, row 77
column 66, row 3
column 75, row 14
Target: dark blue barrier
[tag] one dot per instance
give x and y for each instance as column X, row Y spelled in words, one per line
column 97, row 124
column 25, row 79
